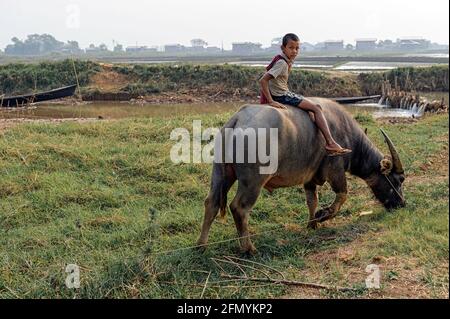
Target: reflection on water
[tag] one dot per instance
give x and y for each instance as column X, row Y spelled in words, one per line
column 111, row 110
column 379, row 65
column 378, row 110
column 115, row 110
column 348, row 66
column 429, row 55
column 395, row 113
column 305, row 65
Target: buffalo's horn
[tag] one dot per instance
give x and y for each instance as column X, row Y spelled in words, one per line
column 398, row 167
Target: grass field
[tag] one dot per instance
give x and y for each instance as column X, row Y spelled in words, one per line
column 105, row 196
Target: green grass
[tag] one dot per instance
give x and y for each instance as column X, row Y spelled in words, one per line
column 21, row 78
column 106, row 196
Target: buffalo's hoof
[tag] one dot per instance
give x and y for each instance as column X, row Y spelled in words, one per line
column 323, row 215
column 312, row 224
column 201, row 246
column 248, row 250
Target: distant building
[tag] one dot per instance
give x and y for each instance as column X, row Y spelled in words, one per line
column 174, row 48
column 273, row 48
column 386, row 45
column 306, row 47
column 437, row 46
column 320, row 46
column 334, row 45
column 366, row 44
column 412, row 43
column 246, row 47
column 137, row 48
column 195, row 49
column 94, row 49
column 213, row 49
column 277, row 42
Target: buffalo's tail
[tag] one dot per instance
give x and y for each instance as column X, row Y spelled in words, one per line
column 223, row 175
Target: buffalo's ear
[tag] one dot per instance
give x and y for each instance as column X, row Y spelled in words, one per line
column 386, row 166
column 365, row 131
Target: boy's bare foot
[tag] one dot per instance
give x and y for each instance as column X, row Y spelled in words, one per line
column 336, row 150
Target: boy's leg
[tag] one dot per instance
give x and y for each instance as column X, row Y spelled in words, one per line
column 321, row 123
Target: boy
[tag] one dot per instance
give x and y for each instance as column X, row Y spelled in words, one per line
column 275, row 91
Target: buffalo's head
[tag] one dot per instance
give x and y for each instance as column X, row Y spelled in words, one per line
column 387, row 182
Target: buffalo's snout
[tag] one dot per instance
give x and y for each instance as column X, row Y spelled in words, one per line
column 391, row 205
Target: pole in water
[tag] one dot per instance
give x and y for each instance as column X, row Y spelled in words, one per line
column 76, row 77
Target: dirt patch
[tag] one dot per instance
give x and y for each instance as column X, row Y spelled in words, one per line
column 202, row 95
column 4, row 125
column 108, row 80
column 397, row 120
column 399, row 278
column 437, row 163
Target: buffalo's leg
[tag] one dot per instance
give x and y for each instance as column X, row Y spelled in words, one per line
column 240, row 207
column 220, row 185
column 312, row 200
column 338, row 184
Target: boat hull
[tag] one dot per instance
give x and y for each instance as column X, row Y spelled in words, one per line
column 356, row 99
column 21, row 100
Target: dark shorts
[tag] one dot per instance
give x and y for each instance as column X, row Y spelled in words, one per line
column 289, row 98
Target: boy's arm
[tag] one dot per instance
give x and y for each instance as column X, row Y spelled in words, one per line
column 264, row 82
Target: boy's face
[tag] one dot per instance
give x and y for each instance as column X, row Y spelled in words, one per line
column 291, row 49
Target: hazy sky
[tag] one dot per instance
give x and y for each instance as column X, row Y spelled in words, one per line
column 179, row 21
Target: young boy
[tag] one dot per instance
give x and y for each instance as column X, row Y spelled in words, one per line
column 275, row 91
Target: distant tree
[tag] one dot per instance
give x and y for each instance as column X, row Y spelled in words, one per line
column 277, row 41
column 35, row 44
column 15, row 49
column 199, row 43
column 73, row 45
column 118, row 48
column 103, row 47
column 349, row 47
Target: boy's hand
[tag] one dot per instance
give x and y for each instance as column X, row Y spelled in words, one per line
column 277, row 105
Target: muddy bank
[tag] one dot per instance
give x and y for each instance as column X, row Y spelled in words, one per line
column 204, row 95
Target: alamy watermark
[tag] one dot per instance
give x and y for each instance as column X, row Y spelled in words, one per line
column 373, row 280
column 73, row 277
column 73, row 16
column 231, row 145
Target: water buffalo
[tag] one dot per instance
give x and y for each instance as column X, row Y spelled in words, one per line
column 302, row 160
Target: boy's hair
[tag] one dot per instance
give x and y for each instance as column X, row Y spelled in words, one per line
column 288, row 37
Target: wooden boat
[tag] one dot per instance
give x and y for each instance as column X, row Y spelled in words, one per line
column 355, row 99
column 21, row 100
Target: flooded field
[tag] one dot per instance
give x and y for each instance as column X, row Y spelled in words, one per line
column 348, row 66
column 114, row 110
column 378, row 66
column 304, row 65
column 111, row 110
